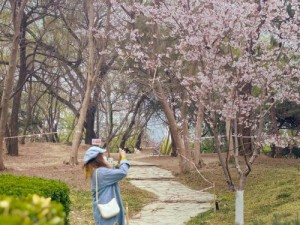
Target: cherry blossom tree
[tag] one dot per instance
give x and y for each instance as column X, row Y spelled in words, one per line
column 247, row 60
column 146, row 48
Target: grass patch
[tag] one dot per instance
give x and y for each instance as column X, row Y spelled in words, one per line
column 277, row 220
column 81, row 203
column 81, row 208
column 202, row 219
column 271, row 197
column 284, row 195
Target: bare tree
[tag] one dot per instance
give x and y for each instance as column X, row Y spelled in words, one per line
column 17, row 15
column 13, row 142
column 94, row 68
column 91, row 79
column 132, row 122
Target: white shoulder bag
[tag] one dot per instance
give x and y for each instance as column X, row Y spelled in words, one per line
column 109, row 209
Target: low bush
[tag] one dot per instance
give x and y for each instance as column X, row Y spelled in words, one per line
column 207, row 146
column 58, row 191
column 30, row 210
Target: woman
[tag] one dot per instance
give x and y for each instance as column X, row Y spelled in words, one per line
column 108, row 177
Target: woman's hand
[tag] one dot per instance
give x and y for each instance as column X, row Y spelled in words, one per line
column 122, row 154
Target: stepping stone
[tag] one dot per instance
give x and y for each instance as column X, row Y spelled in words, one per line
column 173, row 191
column 168, row 213
column 151, row 172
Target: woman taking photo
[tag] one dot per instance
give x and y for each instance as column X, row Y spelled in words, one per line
column 107, row 182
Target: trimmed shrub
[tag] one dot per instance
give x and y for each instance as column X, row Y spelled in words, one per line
column 24, row 186
column 30, row 210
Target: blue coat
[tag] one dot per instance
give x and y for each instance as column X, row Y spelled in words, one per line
column 107, row 184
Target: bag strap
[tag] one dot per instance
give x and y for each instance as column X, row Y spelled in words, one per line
column 96, row 188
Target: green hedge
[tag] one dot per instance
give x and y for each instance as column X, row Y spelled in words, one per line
column 30, row 210
column 24, row 186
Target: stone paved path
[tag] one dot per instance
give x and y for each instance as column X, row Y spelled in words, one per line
column 176, row 203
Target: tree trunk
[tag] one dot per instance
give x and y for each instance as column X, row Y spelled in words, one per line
column 53, row 117
column 185, row 129
column 245, row 131
column 218, row 150
column 139, row 140
column 132, row 122
column 198, row 133
column 55, row 135
column 79, row 126
column 13, row 149
column 91, row 80
column 142, row 130
column 275, row 129
column 98, row 124
column 239, row 201
column 17, row 15
column 28, row 111
column 247, row 142
column 90, row 121
column 97, row 113
column 174, row 152
column 183, row 163
column 109, row 116
column 229, row 137
column 239, row 207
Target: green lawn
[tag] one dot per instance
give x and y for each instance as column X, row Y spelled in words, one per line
column 272, row 196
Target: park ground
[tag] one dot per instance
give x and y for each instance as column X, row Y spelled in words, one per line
column 272, row 191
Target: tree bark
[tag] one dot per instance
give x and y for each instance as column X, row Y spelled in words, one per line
column 185, row 129
column 28, row 112
column 183, row 163
column 132, row 122
column 13, row 149
column 174, row 152
column 245, row 131
column 218, row 150
column 17, row 14
column 139, row 140
column 198, row 133
column 53, row 118
column 91, row 79
column 229, row 137
column 90, row 121
column 275, row 129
